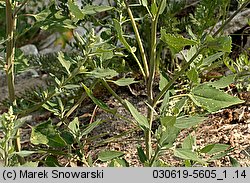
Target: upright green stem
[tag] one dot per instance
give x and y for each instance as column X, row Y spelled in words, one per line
column 152, row 61
column 10, row 51
column 148, row 137
column 138, row 39
column 152, row 66
column 9, row 67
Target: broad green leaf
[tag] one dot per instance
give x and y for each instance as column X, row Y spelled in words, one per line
column 169, row 131
column 209, row 60
column 223, row 43
column 42, row 16
column 103, row 73
column 93, row 9
column 74, row 126
column 176, row 42
column 141, row 154
column 234, row 162
column 188, row 142
column 223, row 82
column 163, row 6
column 65, row 63
column 46, row 134
column 212, row 99
column 90, row 127
column 214, row 148
column 168, row 121
column 75, row 10
column 142, row 120
column 109, row 155
column 187, row 155
column 193, row 75
column 163, row 82
column 187, row 122
column 124, row 81
column 154, row 9
column 101, row 104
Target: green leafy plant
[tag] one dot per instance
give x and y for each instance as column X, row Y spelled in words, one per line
column 206, row 95
column 102, row 60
